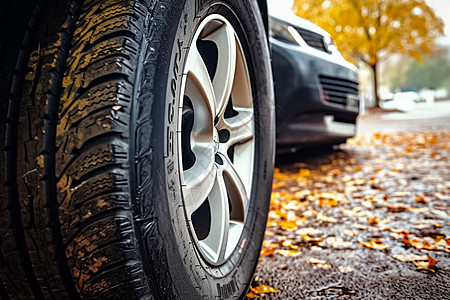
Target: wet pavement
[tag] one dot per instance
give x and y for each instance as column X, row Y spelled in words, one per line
column 359, row 222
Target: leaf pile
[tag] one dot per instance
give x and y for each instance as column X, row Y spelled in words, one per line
column 388, row 193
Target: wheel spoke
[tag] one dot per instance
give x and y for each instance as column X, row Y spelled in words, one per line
column 215, row 243
column 225, row 39
column 198, row 181
column 197, row 72
column 236, row 188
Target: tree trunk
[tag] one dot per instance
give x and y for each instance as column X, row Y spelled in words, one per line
column 375, row 85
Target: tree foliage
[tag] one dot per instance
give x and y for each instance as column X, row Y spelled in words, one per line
column 369, row 30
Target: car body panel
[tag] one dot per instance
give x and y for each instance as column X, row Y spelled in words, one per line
column 316, row 89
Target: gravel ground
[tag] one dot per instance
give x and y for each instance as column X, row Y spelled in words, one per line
column 393, row 188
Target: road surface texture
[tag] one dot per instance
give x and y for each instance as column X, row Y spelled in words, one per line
column 369, row 220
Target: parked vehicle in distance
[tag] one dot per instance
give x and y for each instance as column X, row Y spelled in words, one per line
column 137, row 148
column 316, row 89
column 404, row 101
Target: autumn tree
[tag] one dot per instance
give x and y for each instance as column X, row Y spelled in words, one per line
column 368, row 31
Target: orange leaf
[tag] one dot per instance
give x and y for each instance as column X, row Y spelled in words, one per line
column 252, row 295
column 422, row 244
column 304, row 172
column 267, row 251
column 374, row 244
column 426, row 265
column 373, row 220
column 288, row 225
column 431, row 261
column 421, row 200
column 263, row 289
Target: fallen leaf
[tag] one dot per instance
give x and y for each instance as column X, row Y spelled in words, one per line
column 345, row 269
column 324, row 218
column 288, row 225
column 252, row 295
column 323, row 266
column 313, row 260
column 270, row 245
column 311, row 239
column 422, row 244
column 290, row 245
column 267, row 251
column 263, row 289
column 409, row 257
column 426, row 265
column 349, row 232
column 421, row 199
column 308, row 230
column 373, row 220
column 337, row 241
column 304, row 172
column 396, row 208
column 328, row 202
column 272, row 224
column 374, row 244
column 289, row 252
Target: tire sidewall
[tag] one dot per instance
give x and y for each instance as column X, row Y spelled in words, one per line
column 192, row 277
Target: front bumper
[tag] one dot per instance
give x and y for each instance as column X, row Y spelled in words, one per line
column 304, row 82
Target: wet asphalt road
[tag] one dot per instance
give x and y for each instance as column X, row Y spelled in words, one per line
column 382, row 175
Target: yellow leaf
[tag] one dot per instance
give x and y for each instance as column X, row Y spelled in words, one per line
column 374, row 244
column 263, row 289
column 304, row 172
column 289, row 252
column 289, row 244
column 288, row 225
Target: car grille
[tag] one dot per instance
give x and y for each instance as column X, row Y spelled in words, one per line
column 314, row 40
column 338, row 91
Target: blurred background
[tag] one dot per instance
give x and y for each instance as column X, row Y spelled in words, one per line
column 401, row 48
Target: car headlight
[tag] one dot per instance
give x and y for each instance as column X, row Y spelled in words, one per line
column 329, row 44
column 284, row 32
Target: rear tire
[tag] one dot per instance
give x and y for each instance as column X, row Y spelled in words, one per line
column 92, row 201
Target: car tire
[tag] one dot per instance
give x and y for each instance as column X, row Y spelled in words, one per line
column 122, row 175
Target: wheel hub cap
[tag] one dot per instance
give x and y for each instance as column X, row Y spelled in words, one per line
column 216, row 139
